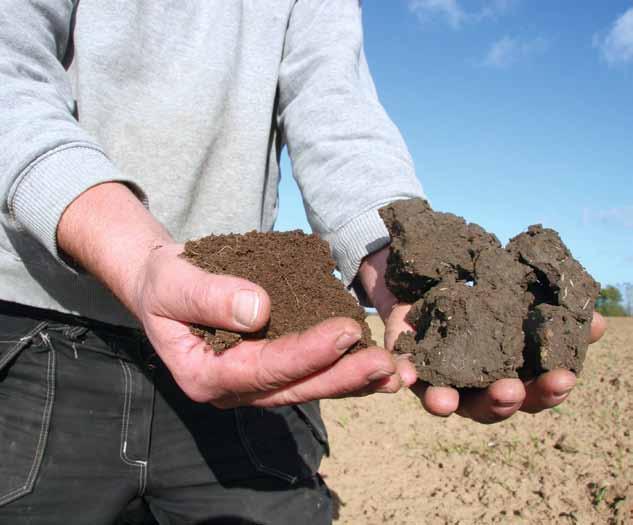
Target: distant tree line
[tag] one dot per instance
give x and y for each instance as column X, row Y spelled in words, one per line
column 616, row 301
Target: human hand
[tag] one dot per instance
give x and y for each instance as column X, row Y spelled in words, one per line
column 172, row 293
column 501, row 399
column 497, row 402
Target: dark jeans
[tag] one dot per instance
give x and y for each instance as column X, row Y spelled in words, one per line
column 94, row 430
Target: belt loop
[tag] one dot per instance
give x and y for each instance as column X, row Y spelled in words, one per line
column 75, row 333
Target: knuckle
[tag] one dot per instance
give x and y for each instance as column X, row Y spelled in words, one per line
column 266, row 379
column 382, row 361
column 189, row 295
column 207, row 298
column 217, row 302
column 288, row 397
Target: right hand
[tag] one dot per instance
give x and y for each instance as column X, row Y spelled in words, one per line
column 172, row 293
column 497, row 402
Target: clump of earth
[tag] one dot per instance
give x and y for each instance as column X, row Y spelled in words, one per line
column 482, row 312
column 294, row 268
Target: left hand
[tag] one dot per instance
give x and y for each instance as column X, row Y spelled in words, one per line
column 497, row 402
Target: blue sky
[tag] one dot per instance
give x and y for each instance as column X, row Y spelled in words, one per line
column 516, row 112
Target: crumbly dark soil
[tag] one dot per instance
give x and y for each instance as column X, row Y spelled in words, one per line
column 457, row 326
column 561, row 296
column 482, row 312
column 296, row 271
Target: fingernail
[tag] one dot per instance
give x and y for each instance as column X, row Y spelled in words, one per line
column 345, row 340
column 563, row 392
column 246, row 307
column 506, row 404
column 380, row 374
column 559, row 398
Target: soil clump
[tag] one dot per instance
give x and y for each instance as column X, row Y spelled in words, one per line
column 483, row 312
column 296, row 271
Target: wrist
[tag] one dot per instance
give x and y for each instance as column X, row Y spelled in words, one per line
column 113, row 243
column 132, row 283
column 372, row 277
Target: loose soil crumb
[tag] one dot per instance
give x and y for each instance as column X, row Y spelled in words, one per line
column 482, row 312
column 296, row 271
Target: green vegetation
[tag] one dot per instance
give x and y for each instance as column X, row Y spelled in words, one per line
column 610, row 302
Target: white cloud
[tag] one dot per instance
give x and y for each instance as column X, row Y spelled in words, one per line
column 508, row 50
column 448, row 9
column 496, row 8
column 621, row 217
column 617, row 46
column 456, row 16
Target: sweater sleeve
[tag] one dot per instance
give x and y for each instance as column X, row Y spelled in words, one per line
column 348, row 157
column 46, row 158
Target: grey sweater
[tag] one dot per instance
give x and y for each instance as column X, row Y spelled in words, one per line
column 189, row 103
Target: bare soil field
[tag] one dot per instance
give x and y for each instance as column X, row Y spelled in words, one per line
column 393, row 463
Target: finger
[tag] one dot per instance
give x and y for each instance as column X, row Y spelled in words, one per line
column 598, row 327
column 437, row 400
column 406, row 370
column 264, row 366
column 493, row 404
column 548, row 390
column 351, row 374
column 405, row 376
column 396, row 324
column 260, row 366
column 387, row 385
column 186, row 293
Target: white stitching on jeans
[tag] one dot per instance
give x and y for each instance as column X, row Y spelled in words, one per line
column 20, row 343
column 46, row 415
column 50, row 396
column 127, row 403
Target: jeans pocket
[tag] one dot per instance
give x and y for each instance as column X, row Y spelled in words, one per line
column 284, row 442
column 27, row 390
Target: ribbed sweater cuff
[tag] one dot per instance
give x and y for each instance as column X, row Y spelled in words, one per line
column 52, row 182
column 355, row 240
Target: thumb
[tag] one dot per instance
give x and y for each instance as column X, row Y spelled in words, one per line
column 180, row 291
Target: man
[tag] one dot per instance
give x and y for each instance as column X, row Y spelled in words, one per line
column 127, row 127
